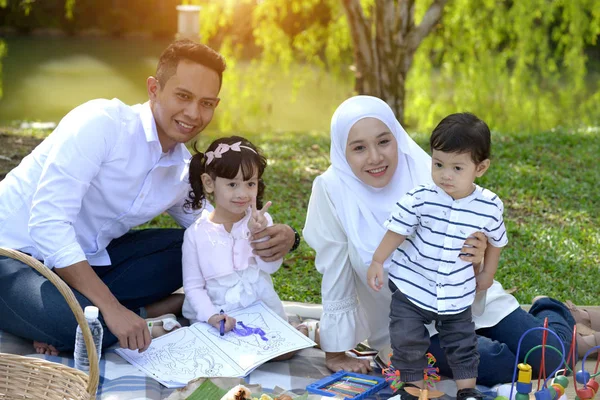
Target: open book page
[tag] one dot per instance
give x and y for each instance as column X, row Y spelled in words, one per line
column 199, row 351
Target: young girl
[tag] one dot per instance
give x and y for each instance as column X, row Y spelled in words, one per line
column 220, row 273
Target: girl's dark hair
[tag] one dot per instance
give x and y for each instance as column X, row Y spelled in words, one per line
column 227, row 167
column 461, row 133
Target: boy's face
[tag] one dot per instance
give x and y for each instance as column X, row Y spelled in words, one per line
column 456, row 172
column 184, row 105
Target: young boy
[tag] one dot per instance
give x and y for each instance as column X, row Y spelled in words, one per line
column 428, row 280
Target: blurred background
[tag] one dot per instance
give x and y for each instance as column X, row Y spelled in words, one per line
column 521, row 65
column 529, row 68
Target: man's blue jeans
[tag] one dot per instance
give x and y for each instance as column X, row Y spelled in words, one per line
column 146, row 267
column 497, row 345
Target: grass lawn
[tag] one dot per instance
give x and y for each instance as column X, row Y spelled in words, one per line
column 547, row 182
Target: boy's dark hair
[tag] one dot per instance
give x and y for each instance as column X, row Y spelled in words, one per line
column 186, row 49
column 461, row 133
column 227, row 166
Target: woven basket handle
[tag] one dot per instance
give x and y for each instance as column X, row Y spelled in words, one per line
column 73, row 304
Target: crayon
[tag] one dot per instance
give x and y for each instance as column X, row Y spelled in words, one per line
column 222, row 330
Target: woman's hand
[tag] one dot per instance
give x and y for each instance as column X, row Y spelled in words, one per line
column 340, row 361
column 375, row 276
column 484, row 281
column 475, row 245
column 216, row 319
column 281, row 239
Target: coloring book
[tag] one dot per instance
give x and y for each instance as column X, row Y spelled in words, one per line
column 199, row 351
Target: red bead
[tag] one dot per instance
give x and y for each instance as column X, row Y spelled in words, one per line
column 585, row 394
column 593, row 385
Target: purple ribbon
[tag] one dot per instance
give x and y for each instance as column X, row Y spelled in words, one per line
column 247, row 331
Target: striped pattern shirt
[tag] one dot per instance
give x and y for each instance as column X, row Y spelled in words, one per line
column 426, row 267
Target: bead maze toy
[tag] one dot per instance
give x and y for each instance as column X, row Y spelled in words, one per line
column 590, row 386
column 560, row 381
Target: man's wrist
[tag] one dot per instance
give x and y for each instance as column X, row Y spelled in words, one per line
column 296, row 240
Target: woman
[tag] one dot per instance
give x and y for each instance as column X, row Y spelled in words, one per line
column 373, row 163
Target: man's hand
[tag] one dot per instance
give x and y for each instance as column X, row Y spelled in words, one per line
column 131, row 330
column 258, row 221
column 278, row 245
column 340, row 361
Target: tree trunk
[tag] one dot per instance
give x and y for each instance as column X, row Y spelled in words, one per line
column 385, row 46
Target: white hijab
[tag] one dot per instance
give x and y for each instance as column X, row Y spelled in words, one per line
column 362, row 209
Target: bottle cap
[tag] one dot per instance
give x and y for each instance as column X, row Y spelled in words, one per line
column 91, row 312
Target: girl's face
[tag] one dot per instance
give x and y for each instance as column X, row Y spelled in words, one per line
column 372, row 152
column 232, row 197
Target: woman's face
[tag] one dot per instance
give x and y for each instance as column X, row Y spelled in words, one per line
column 372, row 152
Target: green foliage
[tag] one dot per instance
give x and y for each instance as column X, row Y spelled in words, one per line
column 296, row 52
column 2, row 54
column 547, row 181
column 521, row 65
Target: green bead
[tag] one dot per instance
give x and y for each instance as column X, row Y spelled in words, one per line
column 501, row 398
column 522, row 396
column 562, row 381
column 552, row 392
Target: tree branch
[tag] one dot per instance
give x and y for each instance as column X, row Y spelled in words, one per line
column 362, row 39
column 431, row 18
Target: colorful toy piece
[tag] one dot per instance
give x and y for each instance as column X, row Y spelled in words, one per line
column 348, row 385
column 430, row 375
column 425, row 393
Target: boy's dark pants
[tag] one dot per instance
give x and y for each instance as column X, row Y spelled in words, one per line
column 410, row 339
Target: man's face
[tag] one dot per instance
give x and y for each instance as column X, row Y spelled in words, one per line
column 184, row 105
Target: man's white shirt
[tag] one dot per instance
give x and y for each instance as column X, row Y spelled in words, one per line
column 426, row 267
column 100, row 173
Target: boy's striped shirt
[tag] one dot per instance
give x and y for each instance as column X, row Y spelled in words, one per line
column 427, row 267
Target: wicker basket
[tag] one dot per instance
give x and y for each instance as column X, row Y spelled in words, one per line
column 32, row 378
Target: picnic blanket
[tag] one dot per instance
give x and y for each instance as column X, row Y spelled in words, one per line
column 121, row 380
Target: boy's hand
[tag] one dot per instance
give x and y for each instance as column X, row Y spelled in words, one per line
column 375, row 276
column 215, row 321
column 484, row 281
column 258, row 221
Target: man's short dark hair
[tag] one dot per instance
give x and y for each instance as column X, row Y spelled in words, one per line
column 462, row 133
column 186, row 49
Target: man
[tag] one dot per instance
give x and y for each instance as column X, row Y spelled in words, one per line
column 72, row 202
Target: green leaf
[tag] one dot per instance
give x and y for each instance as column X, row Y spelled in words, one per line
column 207, row 391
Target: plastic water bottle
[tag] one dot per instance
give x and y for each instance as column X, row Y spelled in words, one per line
column 82, row 362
